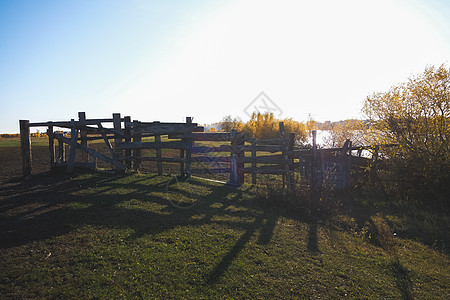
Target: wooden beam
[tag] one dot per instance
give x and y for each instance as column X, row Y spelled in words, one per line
column 117, row 137
column 61, row 151
column 73, row 147
column 51, row 146
column 290, row 148
column 127, row 135
column 149, row 158
column 210, row 171
column 264, row 160
column 212, row 136
column 114, row 162
column 314, row 162
column 189, row 143
column 83, row 134
column 106, row 140
column 211, row 159
column 253, row 160
column 137, row 138
column 205, row 149
column 25, row 146
column 154, row 145
column 158, row 155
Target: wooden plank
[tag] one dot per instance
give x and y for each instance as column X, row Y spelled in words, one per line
column 83, row 134
column 25, row 146
column 79, row 164
column 66, row 124
column 99, row 137
column 290, row 148
column 154, row 145
column 265, row 148
column 93, row 130
column 137, row 138
column 167, row 128
column 106, row 140
column 156, row 124
column 189, row 145
column 275, row 142
column 314, row 163
column 286, row 179
column 212, row 136
column 61, row 151
column 209, row 171
column 264, row 160
column 205, row 149
column 127, row 136
column 238, row 141
column 259, row 170
column 73, row 147
column 149, row 158
column 209, row 159
column 92, row 152
column 117, row 137
column 158, row 155
column 182, row 161
column 253, row 161
column 51, row 146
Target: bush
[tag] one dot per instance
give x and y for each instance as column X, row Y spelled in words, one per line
column 415, row 116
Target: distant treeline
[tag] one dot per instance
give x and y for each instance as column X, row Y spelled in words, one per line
column 16, row 135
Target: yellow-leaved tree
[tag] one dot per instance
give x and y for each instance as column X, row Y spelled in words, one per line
column 415, row 115
column 266, row 126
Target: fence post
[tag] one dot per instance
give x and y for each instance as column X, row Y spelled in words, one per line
column 182, row 170
column 127, row 134
column 51, row 145
column 188, row 147
column 117, row 123
column 158, row 153
column 233, row 160
column 253, row 161
column 349, row 166
column 73, row 146
column 314, row 162
column 25, row 146
column 284, row 150
column 83, row 135
column 291, row 160
column 237, row 155
column 61, row 151
column 137, row 137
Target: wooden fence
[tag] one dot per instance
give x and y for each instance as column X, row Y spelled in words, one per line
column 232, row 154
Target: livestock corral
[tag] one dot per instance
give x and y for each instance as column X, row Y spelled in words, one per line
column 229, row 154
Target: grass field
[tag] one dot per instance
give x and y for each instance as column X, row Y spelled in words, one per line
column 100, row 235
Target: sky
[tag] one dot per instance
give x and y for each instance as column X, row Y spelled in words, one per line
column 166, row 60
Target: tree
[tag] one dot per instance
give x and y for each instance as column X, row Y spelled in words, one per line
column 415, row 116
column 266, row 126
column 228, row 124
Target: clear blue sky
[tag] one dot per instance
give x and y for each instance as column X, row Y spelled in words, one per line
column 165, row 60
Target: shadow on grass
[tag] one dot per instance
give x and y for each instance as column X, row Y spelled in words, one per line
column 402, row 279
column 45, row 206
column 312, row 238
column 231, row 255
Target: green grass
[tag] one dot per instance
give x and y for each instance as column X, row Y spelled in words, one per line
column 145, row 236
column 15, row 142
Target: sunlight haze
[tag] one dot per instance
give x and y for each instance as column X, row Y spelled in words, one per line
column 163, row 61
